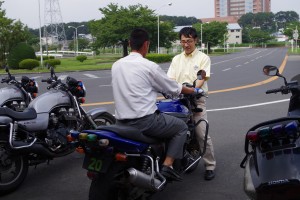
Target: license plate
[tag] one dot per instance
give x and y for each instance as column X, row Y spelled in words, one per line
column 97, row 163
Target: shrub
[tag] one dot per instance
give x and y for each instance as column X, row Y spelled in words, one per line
column 52, row 62
column 18, row 53
column 45, row 57
column 159, row 58
column 81, row 58
column 28, row 64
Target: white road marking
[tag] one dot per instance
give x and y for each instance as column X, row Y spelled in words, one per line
column 226, row 69
column 62, row 77
column 248, row 106
column 91, row 75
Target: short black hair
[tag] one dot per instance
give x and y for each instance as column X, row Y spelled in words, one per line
column 188, row 32
column 137, row 38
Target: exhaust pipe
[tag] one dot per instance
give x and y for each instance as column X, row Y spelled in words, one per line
column 143, row 180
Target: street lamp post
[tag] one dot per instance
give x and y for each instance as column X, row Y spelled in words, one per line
column 76, row 36
column 201, row 37
column 169, row 4
column 40, row 34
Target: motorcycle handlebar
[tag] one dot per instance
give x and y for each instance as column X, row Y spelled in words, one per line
column 273, row 91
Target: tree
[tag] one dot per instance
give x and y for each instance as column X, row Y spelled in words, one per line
column 180, row 20
column 118, row 22
column 11, row 33
column 259, row 36
column 212, row 33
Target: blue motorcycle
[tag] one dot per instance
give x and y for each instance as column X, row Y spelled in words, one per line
column 123, row 163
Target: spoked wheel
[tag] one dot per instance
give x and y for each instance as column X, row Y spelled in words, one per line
column 13, row 169
column 105, row 119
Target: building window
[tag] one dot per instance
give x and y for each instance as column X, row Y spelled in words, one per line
column 237, row 36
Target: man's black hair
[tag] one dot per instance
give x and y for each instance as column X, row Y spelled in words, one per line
column 137, row 38
column 188, row 32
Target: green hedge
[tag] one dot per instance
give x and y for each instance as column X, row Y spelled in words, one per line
column 160, row 58
column 52, row 62
column 81, row 58
column 28, row 64
column 45, row 57
column 18, row 53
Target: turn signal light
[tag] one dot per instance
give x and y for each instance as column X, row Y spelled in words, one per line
column 80, row 150
column 91, row 137
column 252, row 136
column 291, row 128
column 83, row 136
column 121, row 157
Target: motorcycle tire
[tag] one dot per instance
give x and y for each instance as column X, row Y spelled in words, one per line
column 104, row 119
column 13, row 169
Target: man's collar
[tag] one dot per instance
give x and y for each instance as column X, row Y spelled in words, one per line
column 191, row 54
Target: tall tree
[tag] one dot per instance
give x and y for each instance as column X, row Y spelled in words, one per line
column 114, row 28
column 213, row 33
column 11, row 33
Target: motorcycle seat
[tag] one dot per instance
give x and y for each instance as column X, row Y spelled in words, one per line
column 130, row 133
column 27, row 114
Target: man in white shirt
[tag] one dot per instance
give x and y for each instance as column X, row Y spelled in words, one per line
column 136, row 82
column 183, row 69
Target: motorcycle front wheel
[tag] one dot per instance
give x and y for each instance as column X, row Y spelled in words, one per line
column 104, row 119
column 13, row 169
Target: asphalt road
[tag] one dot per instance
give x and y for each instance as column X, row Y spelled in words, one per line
column 230, row 114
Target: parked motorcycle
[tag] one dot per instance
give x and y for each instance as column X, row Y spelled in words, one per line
column 17, row 95
column 123, row 163
column 42, row 131
column 272, row 161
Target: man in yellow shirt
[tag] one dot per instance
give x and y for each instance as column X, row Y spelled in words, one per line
column 183, row 69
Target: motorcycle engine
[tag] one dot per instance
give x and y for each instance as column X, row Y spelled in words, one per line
column 59, row 125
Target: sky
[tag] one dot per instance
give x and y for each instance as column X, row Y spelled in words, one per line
column 27, row 11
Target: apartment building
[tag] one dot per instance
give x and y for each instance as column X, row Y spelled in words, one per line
column 231, row 10
column 237, row 8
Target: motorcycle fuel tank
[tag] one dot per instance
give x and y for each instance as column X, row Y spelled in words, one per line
column 49, row 100
column 174, row 108
column 10, row 94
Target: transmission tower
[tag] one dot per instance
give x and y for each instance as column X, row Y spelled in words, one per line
column 54, row 30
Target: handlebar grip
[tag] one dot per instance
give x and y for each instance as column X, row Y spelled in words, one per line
column 44, row 80
column 274, row 91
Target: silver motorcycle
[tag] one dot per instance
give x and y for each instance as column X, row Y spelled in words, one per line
column 42, row 131
column 18, row 94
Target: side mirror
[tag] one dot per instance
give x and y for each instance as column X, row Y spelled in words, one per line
column 201, row 74
column 270, row 70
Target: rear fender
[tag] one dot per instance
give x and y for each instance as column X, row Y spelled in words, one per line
column 96, row 112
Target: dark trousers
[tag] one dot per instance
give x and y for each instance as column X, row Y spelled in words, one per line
column 165, row 127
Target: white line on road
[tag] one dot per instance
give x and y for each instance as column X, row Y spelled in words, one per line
column 238, row 65
column 226, row 69
column 248, row 106
column 104, row 85
column 62, row 77
column 91, row 75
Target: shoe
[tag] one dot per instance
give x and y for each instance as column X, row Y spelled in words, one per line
column 170, row 174
column 209, row 175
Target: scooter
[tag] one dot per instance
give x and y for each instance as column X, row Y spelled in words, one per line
column 272, row 161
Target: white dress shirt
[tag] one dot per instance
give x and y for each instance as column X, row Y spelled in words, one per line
column 136, row 82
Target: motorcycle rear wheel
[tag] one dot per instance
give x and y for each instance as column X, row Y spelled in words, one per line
column 13, row 169
column 111, row 186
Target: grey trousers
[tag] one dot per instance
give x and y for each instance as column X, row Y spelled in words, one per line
column 164, row 127
column 209, row 157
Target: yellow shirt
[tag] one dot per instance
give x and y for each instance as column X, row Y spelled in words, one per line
column 184, row 67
